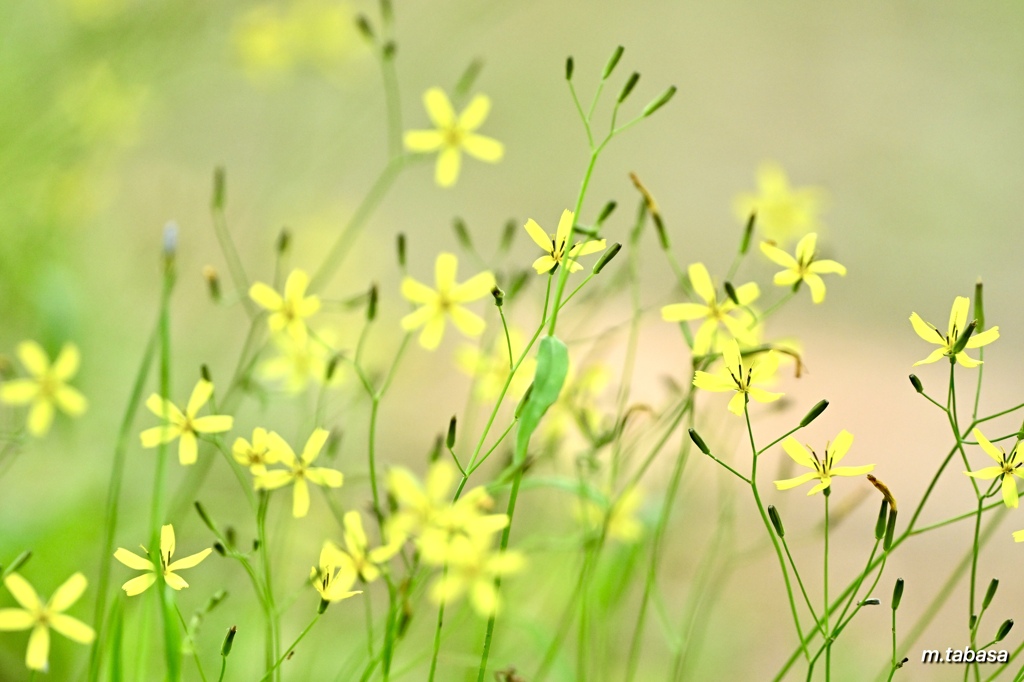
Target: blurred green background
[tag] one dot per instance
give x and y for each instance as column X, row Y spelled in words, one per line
column 115, row 112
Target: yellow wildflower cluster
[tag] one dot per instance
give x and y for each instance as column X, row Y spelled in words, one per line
column 297, row 470
column 458, row 536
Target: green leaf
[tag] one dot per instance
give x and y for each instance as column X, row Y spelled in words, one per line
column 552, row 366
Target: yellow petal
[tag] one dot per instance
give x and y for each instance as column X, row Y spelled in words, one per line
column 200, row 396
column 300, row 498
column 66, row 365
column 805, row 248
column 473, row 116
column 189, row 561
column 68, row 593
column 965, row 360
column 467, row 322
column 986, row 474
column 420, row 317
column 544, row 264
column 958, row 315
column 433, row 332
column 38, row 648
column 925, row 330
column 794, row 482
column 417, row 292
column 328, row 478
column 34, row 358
column 174, row 581
column 439, row 108
column 70, row 401
column 314, row 444
column 40, row 417
column 72, row 628
column 214, row 423
column 853, row 471
column 139, row 585
column 763, row 396
column 265, row 297
column 474, row 288
column 423, row 141
column 838, row 448
column 188, row 449
column 132, row 560
column 565, row 224
column 827, row 267
column 934, row 356
column 446, row 172
column 16, row 619
column 797, row 452
column 538, row 235
column 587, row 248
column 681, row 312
column 986, row 445
column 983, row 338
column 701, row 281
column 158, row 434
column 295, row 286
column 713, row 382
column 778, row 256
column 445, row 270
column 19, row 391
column 705, row 337
column 1009, row 487
column 748, row 293
column 22, row 592
column 484, row 148
column 737, row 404
column 816, row 285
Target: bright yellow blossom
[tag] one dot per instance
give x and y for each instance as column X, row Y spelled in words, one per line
column 445, row 301
column 783, row 213
column 299, row 472
column 167, row 545
column 453, row 135
column 335, row 576
column 620, row 520
column 804, row 267
column 40, row 617
column 184, row 424
column 287, row 312
column 713, row 312
column 957, row 324
column 473, row 569
column 363, row 560
column 255, row 455
column 1007, row 467
column 296, row 363
column 555, row 246
column 740, row 378
column 825, row 468
column 47, row 387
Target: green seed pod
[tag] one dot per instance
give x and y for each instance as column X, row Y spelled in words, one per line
column 371, row 303
column 400, row 249
column 897, row 594
column 332, row 366
column 499, row 296
column 890, row 530
column 219, row 549
column 699, row 442
column 979, row 304
column 462, row 233
column 450, row 440
column 1004, row 629
column 964, row 337
column 204, row 372
column 322, row 606
column 660, row 102
column 773, row 514
column 748, row 232
column 613, row 61
column 916, row 383
column 871, row 602
column 569, row 66
column 628, row 87
column 435, row 452
column 605, row 212
column 206, row 517
column 730, row 291
column 880, row 523
column 363, row 24
column 814, row 413
column 990, row 593
column 229, row 641
column 284, row 240
column 607, row 257
column 524, row 401
column 389, row 50
column 659, row 227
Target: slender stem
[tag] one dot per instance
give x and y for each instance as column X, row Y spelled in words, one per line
column 235, row 267
column 272, row 626
column 828, row 633
column 290, row 649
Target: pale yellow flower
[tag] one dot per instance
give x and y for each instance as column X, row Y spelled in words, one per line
column 335, row 576
column 556, row 246
column 783, row 213
column 146, row 580
column 288, row 312
column 255, row 455
column 713, row 312
column 364, row 561
column 740, row 378
column 299, row 473
column 824, row 468
column 40, row 618
column 804, row 267
column 957, row 324
column 299, row 363
column 47, row 386
column 620, row 521
column 473, row 569
column 184, row 425
column 445, row 301
column 490, row 369
column 1007, row 466
column 453, row 135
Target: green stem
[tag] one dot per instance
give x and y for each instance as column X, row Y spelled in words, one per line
column 290, row 649
column 272, row 626
column 828, row 633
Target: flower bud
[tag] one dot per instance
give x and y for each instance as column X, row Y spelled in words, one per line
column 322, row 606
column 219, row 549
column 990, row 593
column 916, row 383
column 363, row 24
column 450, row 440
column 206, row 517
column 660, row 102
column 773, row 514
column 699, row 442
column 499, row 296
column 964, row 337
column 748, row 232
column 628, row 87
column 979, row 304
column 569, row 66
column 608, row 209
column 332, row 367
column 613, row 61
column 170, row 244
column 400, row 249
column 814, row 413
column 389, row 50
column 890, row 530
column 435, row 452
column 212, row 283
column 219, row 188
column 371, row 304
column 883, row 514
column 897, row 594
column 873, row 601
column 204, row 372
column 508, row 235
column 284, row 240
column 607, row 257
column 730, row 291
column 386, row 11
column 229, row 641
column 462, row 233
column 1004, row 629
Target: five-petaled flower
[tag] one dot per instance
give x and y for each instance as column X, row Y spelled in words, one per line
column 288, row 312
column 299, row 471
column 255, row 455
column 1007, row 467
column 712, row 311
column 947, row 343
column 783, row 213
column 184, row 424
column 47, row 386
column 824, row 468
column 334, row 578
column 473, row 568
column 454, row 134
column 804, row 267
column 445, row 301
column 40, row 617
column 140, row 584
column 740, row 378
column 557, row 250
column 363, row 560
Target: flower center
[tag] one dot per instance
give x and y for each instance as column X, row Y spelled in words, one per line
column 453, row 137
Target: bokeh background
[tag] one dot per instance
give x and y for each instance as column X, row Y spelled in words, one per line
column 115, row 112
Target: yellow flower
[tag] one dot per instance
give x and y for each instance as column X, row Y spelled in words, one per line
column 335, row 576
column 620, row 520
column 555, row 245
column 287, row 312
column 255, row 455
column 174, row 581
column 47, row 387
column 363, row 560
column 824, row 469
column 453, row 135
column 1007, row 468
column 957, row 324
column 1018, row 536
column 299, row 471
column 184, row 424
column 446, row 300
column 804, row 267
column 713, row 312
column 741, row 379
column 491, row 369
column 473, row 569
column 783, row 213
column 299, row 362
column 40, row 617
